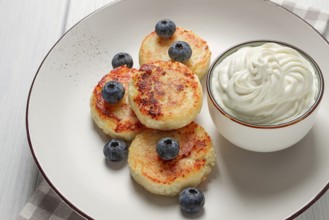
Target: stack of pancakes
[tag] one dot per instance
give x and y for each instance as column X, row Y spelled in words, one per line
column 162, row 99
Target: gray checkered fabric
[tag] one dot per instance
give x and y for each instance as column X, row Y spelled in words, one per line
column 45, row 203
column 315, row 17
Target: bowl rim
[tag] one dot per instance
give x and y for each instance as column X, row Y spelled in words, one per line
column 233, row 49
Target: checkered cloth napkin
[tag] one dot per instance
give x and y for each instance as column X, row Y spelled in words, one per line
column 315, row 17
column 46, row 204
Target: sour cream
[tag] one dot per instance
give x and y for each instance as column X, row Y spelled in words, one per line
column 268, row 84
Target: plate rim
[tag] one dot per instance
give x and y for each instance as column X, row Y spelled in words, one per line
column 66, row 200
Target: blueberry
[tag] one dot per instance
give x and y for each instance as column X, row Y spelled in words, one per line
column 113, row 92
column 115, row 150
column 165, row 28
column 191, row 200
column 121, row 59
column 180, row 51
column 167, row 148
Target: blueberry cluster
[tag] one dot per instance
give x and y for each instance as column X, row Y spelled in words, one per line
column 180, row 50
column 191, row 199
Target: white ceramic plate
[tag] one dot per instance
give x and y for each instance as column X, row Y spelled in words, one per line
column 244, row 185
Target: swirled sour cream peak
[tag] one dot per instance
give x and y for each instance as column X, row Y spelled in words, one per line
column 268, row 84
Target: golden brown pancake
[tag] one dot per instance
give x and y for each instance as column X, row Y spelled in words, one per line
column 168, row 177
column 165, row 95
column 117, row 120
column 154, row 48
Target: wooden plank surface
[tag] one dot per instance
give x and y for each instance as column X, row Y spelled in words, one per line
column 79, row 9
column 28, row 31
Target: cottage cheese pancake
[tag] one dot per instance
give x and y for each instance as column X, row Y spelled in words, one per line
column 168, row 177
column 268, row 84
column 165, row 95
column 117, row 120
column 154, row 48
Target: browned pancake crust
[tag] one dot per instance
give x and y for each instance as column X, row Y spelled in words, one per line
column 189, row 168
column 165, row 95
column 154, row 48
column 117, row 120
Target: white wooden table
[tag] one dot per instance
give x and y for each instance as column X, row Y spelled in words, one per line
column 28, row 29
